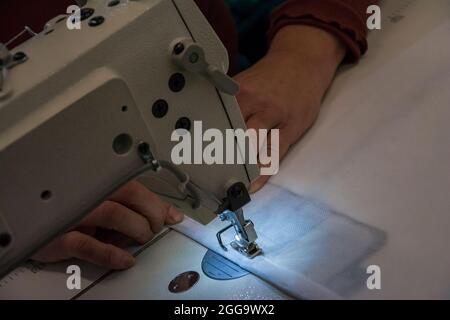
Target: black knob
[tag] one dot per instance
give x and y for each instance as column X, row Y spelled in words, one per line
column 160, row 108
column 177, row 82
column 183, row 123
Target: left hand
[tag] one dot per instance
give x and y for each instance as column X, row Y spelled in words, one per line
column 131, row 213
column 284, row 90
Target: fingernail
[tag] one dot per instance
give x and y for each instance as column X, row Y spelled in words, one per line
column 254, row 187
column 258, row 184
column 126, row 261
column 175, row 216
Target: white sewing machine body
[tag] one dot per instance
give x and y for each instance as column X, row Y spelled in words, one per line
column 75, row 109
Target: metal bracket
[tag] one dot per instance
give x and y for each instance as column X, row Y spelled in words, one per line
column 230, row 210
column 8, row 61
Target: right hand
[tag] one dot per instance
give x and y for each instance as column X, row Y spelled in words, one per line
column 133, row 211
column 284, row 90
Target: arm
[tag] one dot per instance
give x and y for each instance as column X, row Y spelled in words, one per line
column 285, row 89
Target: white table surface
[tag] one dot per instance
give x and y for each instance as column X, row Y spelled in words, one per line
column 380, row 151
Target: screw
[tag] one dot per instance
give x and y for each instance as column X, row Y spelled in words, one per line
column 160, row 108
column 46, row 195
column 193, row 58
column 146, row 154
column 183, row 123
column 96, row 21
column 113, row 3
column 144, row 148
column 19, row 56
column 86, row 13
column 177, row 82
column 179, row 48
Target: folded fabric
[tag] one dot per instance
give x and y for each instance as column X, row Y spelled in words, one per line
column 309, row 251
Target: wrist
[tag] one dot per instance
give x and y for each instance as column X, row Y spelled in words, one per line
column 309, row 42
column 308, row 50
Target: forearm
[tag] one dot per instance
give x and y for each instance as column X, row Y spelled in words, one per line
column 309, row 49
column 320, row 48
column 345, row 19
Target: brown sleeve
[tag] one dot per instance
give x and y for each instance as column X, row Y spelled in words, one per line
column 344, row 18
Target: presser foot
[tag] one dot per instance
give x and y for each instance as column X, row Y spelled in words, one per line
column 250, row 251
column 245, row 234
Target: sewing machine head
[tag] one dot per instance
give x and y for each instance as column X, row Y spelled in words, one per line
column 83, row 111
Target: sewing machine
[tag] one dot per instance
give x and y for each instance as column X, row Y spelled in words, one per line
column 84, row 111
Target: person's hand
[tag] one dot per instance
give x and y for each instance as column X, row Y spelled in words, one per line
column 284, row 90
column 133, row 211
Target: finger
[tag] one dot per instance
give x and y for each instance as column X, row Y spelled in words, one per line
column 89, row 230
column 259, row 121
column 138, row 198
column 246, row 102
column 78, row 245
column 115, row 216
column 284, row 146
column 263, row 120
column 258, row 184
column 84, row 247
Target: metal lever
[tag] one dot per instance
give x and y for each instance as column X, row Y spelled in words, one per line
column 230, row 209
column 191, row 57
column 5, row 58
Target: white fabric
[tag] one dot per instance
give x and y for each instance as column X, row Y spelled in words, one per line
column 308, row 249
